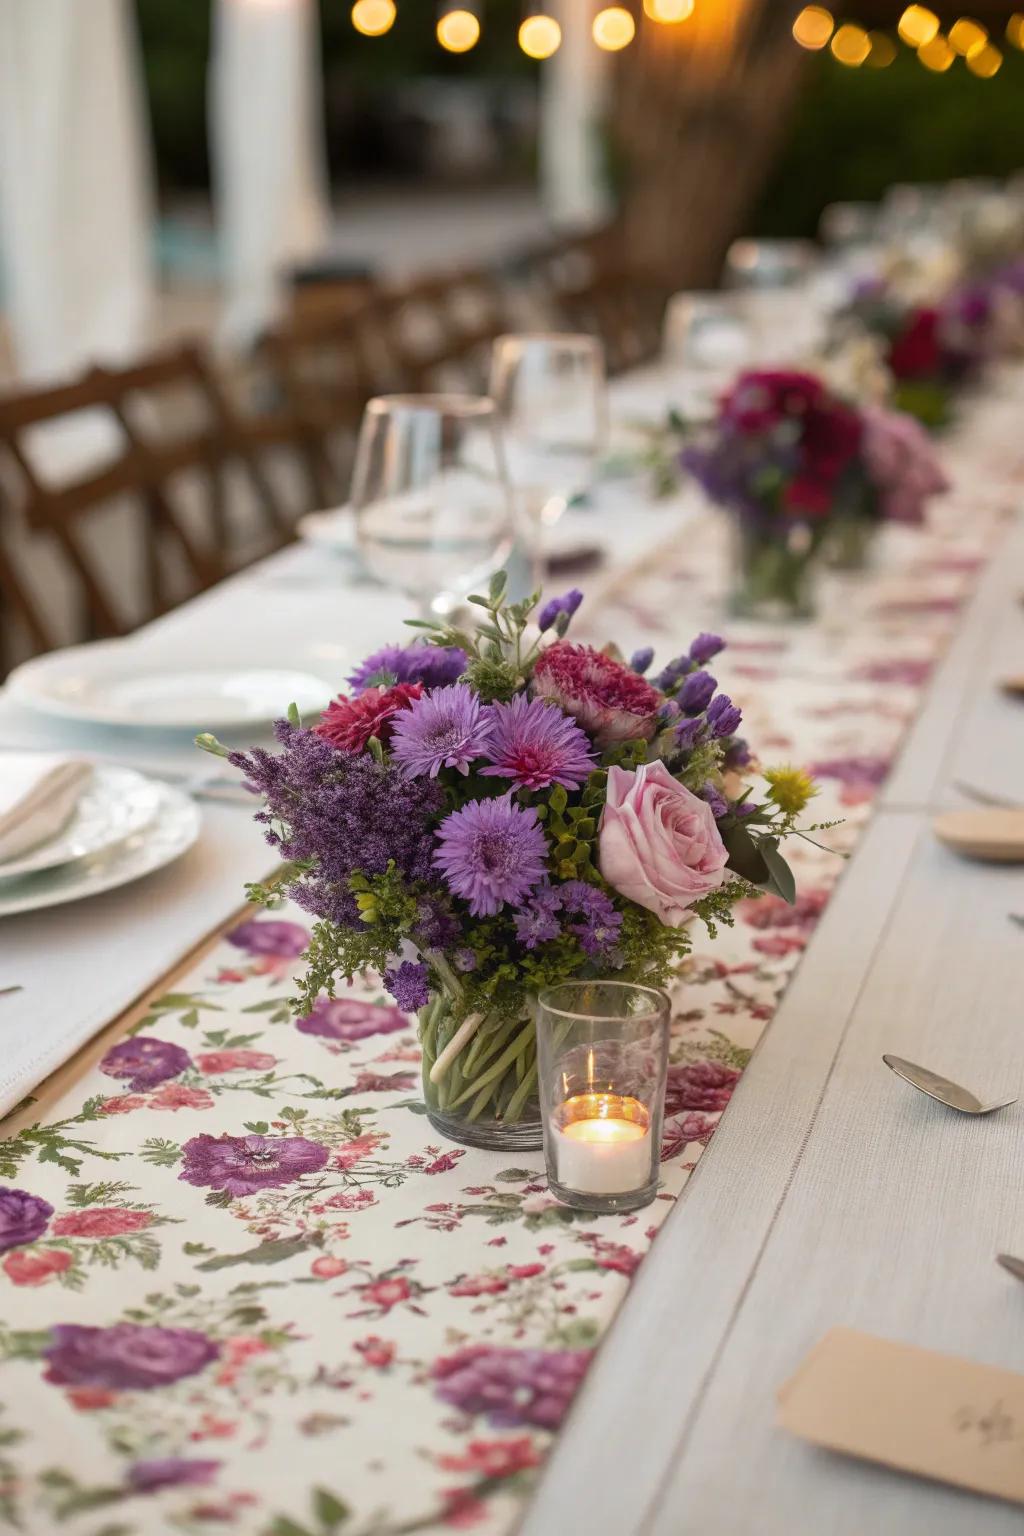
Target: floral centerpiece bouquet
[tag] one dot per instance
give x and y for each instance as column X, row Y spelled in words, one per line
column 804, row 471
column 492, row 813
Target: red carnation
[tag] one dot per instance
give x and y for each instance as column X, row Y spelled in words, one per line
column 605, row 697
column 914, row 354
column 348, row 724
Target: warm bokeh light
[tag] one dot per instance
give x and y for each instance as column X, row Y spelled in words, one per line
column 668, row 10
column 813, row 27
column 1015, row 29
column 918, row 26
column 883, row 50
column 851, row 45
column 613, row 28
column 540, row 36
column 985, row 62
column 967, row 36
column 373, row 17
column 937, row 55
column 458, row 31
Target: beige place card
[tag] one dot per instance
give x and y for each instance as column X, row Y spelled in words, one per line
column 934, row 1415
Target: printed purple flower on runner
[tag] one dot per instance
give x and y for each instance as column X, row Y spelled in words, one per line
column 342, row 1018
column 512, row 1386
column 241, row 1165
column 23, row 1217
column 270, row 936
column 171, row 1472
column 126, row 1357
column 145, row 1061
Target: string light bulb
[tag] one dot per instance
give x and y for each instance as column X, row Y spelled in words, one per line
column 539, row 35
column 613, row 28
column 883, row 50
column 813, row 27
column 851, row 45
column 985, row 61
column 668, row 11
column 1015, row 29
column 373, row 17
column 458, row 29
column 918, row 26
column 936, row 54
column 967, row 36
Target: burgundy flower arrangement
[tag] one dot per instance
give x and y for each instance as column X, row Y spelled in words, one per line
column 488, row 814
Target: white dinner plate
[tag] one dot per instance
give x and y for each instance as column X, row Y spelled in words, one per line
column 334, row 530
column 173, row 830
column 115, row 803
column 106, row 684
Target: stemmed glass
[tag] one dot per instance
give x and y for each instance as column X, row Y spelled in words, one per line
column 431, row 496
column 550, row 393
column 705, row 341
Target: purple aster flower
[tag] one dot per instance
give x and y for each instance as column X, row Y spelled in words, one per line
column 535, row 745
column 259, row 937
column 717, row 801
column 128, row 1356
column 145, row 1061
column 723, row 716
column 696, row 693
column 432, row 665
column 408, row 985
column 512, row 1386
column 444, row 729
column 492, row 852
column 241, row 1165
column 170, row 1472
column 23, row 1217
column 348, row 1019
column 641, row 660
column 704, row 647
column 556, row 606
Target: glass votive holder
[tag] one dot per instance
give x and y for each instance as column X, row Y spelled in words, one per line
column 602, row 1053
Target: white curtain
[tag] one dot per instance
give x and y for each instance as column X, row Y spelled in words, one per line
column 267, row 151
column 75, row 183
column 573, row 99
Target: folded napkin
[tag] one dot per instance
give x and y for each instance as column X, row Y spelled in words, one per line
column 38, row 794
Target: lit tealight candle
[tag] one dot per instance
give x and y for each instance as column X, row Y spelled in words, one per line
column 603, row 1144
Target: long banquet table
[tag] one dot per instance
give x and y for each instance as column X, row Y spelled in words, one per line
column 405, row 1348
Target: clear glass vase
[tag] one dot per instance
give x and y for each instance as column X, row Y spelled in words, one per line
column 850, row 542
column 480, row 1077
column 774, row 572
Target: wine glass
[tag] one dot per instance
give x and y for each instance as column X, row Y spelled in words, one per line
column 705, row 340
column 550, row 393
column 431, row 497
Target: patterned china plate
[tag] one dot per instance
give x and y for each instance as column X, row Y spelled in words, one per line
column 117, row 803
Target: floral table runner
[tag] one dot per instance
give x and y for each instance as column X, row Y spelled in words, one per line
column 246, row 1287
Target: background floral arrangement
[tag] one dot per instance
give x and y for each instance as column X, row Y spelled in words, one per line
column 487, row 814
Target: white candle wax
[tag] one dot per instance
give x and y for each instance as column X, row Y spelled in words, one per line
column 603, row 1145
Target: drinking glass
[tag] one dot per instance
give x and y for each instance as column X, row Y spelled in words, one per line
column 706, row 339
column 550, row 394
column 431, row 497
column 602, row 1053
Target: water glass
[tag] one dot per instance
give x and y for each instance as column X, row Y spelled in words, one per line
column 602, row 1053
column 431, row 497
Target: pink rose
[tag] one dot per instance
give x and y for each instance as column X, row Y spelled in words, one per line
column 235, row 1061
column 659, row 845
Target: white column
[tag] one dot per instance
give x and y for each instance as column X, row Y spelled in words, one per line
column 573, row 97
column 267, row 151
column 75, row 183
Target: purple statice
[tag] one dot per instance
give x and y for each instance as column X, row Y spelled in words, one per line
column 243, row 1165
column 511, row 1386
column 436, row 928
column 432, row 665
column 717, row 801
column 689, row 733
column 408, row 985
column 492, row 852
column 23, row 1217
column 126, row 1357
column 555, row 607
column 145, row 1061
column 171, row 1472
column 723, row 716
column 538, row 923
column 465, row 960
column 641, row 660
column 737, row 754
column 344, row 812
column 705, row 647
column 598, row 924
column 696, row 693
column 535, row 745
column 444, row 729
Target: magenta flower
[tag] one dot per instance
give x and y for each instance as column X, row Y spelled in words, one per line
column 535, row 745
column 446, row 728
column 170, row 1472
column 125, row 1357
column 260, row 937
column 706, row 1085
column 512, row 1386
column 244, row 1164
column 145, row 1062
column 492, row 852
column 336, row 1018
column 23, row 1217
column 606, row 698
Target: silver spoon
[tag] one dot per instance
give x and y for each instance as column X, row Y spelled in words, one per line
column 941, row 1088
column 1015, row 1266
column 986, row 797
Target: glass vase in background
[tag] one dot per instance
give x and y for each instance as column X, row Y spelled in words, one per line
column 602, row 1050
column 774, row 570
column 850, row 542
column 431, row 496
column 480, row 1076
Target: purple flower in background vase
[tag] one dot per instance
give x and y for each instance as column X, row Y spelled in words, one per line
column 260, row 937
column 408, row 985
column 145, row 1062
column 444, row 729
column 125, row 1357
column 706, row 1085
column 492, row 852
column 432, row 665
column 512, row 1386
column 901, row 463
column 338, row 1018
column 23, row 1217
column 170, row 1472
column 241, row 1165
